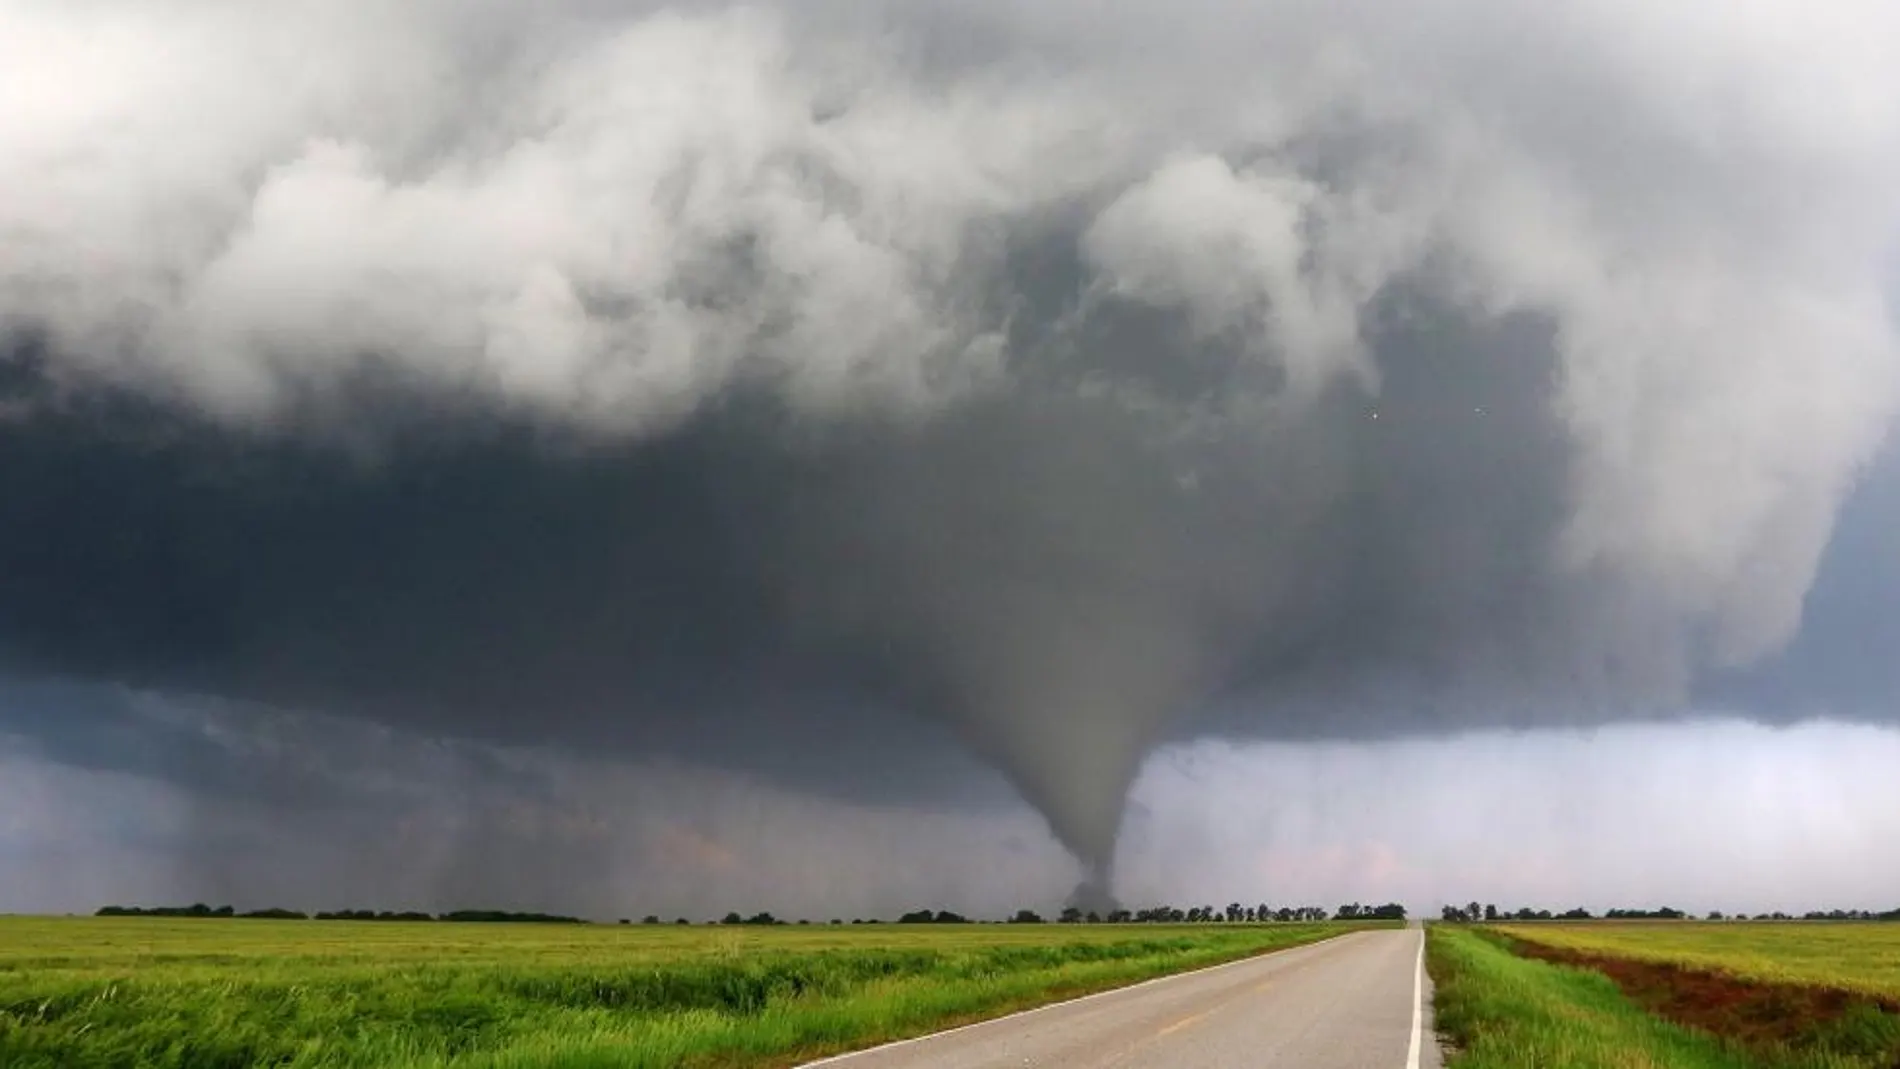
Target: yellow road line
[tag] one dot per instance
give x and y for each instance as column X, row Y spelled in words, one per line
column 1183, row 1023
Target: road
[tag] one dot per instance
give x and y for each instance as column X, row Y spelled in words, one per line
column 1354, row 1002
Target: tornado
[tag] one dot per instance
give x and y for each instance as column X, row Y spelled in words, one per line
column 810, row 389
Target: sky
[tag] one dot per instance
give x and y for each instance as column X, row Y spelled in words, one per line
column 840, row 458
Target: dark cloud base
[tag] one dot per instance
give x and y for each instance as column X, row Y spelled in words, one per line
column 1054, row 578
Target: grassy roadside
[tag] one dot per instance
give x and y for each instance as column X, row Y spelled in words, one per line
column 1506, row 1012
column 308, row 995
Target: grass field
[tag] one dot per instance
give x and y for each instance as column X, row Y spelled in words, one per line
column 1854, row 957
column 1506, row 1012
column 1800, row 996
column 122, row 992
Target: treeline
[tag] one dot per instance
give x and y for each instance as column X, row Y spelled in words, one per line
column 924, row 916
column 1474, row 913
column 1822, row 915
column 456, row 916
column 1234, row 913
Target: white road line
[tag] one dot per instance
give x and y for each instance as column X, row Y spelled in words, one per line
column 1418, row 1005
column 848, row 1055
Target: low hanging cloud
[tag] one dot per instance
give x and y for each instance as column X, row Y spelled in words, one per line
column 753, row 383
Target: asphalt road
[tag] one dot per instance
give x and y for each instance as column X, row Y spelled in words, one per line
column 1360, row 1001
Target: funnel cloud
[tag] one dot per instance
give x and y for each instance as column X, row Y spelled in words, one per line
column 837, row 392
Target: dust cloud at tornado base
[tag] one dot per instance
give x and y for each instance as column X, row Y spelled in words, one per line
column 742, row 384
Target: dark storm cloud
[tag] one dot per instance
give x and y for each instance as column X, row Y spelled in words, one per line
column 484, row 586
column 1059, row 580
column 1841, row 663
column 805, row 393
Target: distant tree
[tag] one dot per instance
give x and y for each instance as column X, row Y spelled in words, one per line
column 1490, row 911
column 681, row 920
column 651, row 918
column 1663, row 914
column 1026, row 916
column 763, row 920
column 481, row 916
column 732, row 918
column 196, row 909
column 1070, row 915
column 1094, row 917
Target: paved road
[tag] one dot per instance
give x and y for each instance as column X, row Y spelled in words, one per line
column 1347, row 1003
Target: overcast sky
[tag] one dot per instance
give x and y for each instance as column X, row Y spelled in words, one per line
column 610, row 456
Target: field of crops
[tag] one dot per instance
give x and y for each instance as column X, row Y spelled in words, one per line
column 125, row 992
column 1855, row 957
column 1699, row 996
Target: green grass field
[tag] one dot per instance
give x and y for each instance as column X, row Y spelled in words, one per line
column 1507, row 1012
column 1761, row 995
column 123, row 992
column 1854, row 957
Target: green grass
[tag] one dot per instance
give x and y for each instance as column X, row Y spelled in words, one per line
column 112, row 992
column 1501, row 1010
column 1852, row 957
column 1506, row 1012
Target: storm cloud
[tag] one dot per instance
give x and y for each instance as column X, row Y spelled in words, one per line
column 809, row 390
